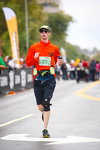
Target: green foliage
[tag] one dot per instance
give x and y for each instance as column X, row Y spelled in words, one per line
column 3, row 25
column 97, row 57
column 83, row 57
column 72, row 52
column 35, row 17
column 5, row 45
column 58, row 22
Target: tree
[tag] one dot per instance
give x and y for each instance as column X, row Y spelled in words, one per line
column 35, row 17
column 58, row 23
column 97, row 57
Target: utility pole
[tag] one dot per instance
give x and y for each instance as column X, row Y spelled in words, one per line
column 26, row 24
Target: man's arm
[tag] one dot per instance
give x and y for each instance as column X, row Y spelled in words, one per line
column 58, row 58
column 30, row 60
column 2, row 67
column 2, row 64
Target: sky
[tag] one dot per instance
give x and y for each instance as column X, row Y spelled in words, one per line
column 85, row 31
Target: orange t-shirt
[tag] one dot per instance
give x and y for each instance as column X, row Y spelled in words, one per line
column 44, row 50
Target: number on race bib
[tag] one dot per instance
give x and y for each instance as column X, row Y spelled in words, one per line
column 45, row 61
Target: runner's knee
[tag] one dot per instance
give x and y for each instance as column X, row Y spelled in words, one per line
column 40, row 107
column 46, row 105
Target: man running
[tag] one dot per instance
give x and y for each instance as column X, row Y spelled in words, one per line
column 43, row 56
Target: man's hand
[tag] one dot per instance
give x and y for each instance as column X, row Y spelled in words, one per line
column 36, row 55
column 59, row 61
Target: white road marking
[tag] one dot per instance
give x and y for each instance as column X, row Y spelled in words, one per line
column 15, row 120
column 69, row 139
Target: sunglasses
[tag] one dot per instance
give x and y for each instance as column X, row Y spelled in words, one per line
column 41, row 31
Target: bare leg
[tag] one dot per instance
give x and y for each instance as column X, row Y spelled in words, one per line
column 46, row 115
column 40, row 107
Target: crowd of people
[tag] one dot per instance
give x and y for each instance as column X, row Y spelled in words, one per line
column 12, row 63
column 83, row 70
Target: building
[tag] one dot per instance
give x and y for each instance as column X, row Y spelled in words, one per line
column 50, row 6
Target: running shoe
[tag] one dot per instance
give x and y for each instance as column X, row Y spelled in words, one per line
column 45, row 133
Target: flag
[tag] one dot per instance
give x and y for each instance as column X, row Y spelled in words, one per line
column 77, row 61
column 11, row 21
column 63, row 52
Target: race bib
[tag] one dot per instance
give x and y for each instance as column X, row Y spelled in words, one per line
column 45, row 61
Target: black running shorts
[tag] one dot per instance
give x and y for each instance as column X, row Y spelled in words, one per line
column 44, row 90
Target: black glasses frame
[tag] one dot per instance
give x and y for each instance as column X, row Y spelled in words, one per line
column 41, row 31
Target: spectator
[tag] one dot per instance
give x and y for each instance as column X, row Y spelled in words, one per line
column 85, row 64
column 68, row 70
column 2, row 64
column 57, row 71
column 77, row 72
column 81, row 64
column 10, row 62
column 90, row 75
column 22, row 63
column 13, row 64
column 64, row 71
column 86, row 70
column 72, row 69
column 81, row 70
column 93, row 69
column 6, row 63
column 97, row 70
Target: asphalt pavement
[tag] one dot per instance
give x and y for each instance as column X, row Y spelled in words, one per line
column 74, row 120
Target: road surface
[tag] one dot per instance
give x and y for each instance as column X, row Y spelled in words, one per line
column 74, row 121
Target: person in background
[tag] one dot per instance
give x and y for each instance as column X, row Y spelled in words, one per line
column 13, row 63
column 43, row 56
column 77, row 72
column 85, row 64
column 89, row 67
column 2, row 67
column 86, row 70
column 72, row 69
column 22, row 63
column 68, row 70
column 6, row 63
column 93, row 69
column 10, row 62
column 2, row 64
column 64, row 71
column 97, row 70
column 81, row 70
column 57, row 71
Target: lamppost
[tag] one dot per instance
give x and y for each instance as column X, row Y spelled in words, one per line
column 26, row 24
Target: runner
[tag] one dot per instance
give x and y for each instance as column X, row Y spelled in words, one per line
column 43, row 56
column 2, row 64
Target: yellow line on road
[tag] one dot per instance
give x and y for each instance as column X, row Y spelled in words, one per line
column 81, row 92
column 15, row 120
